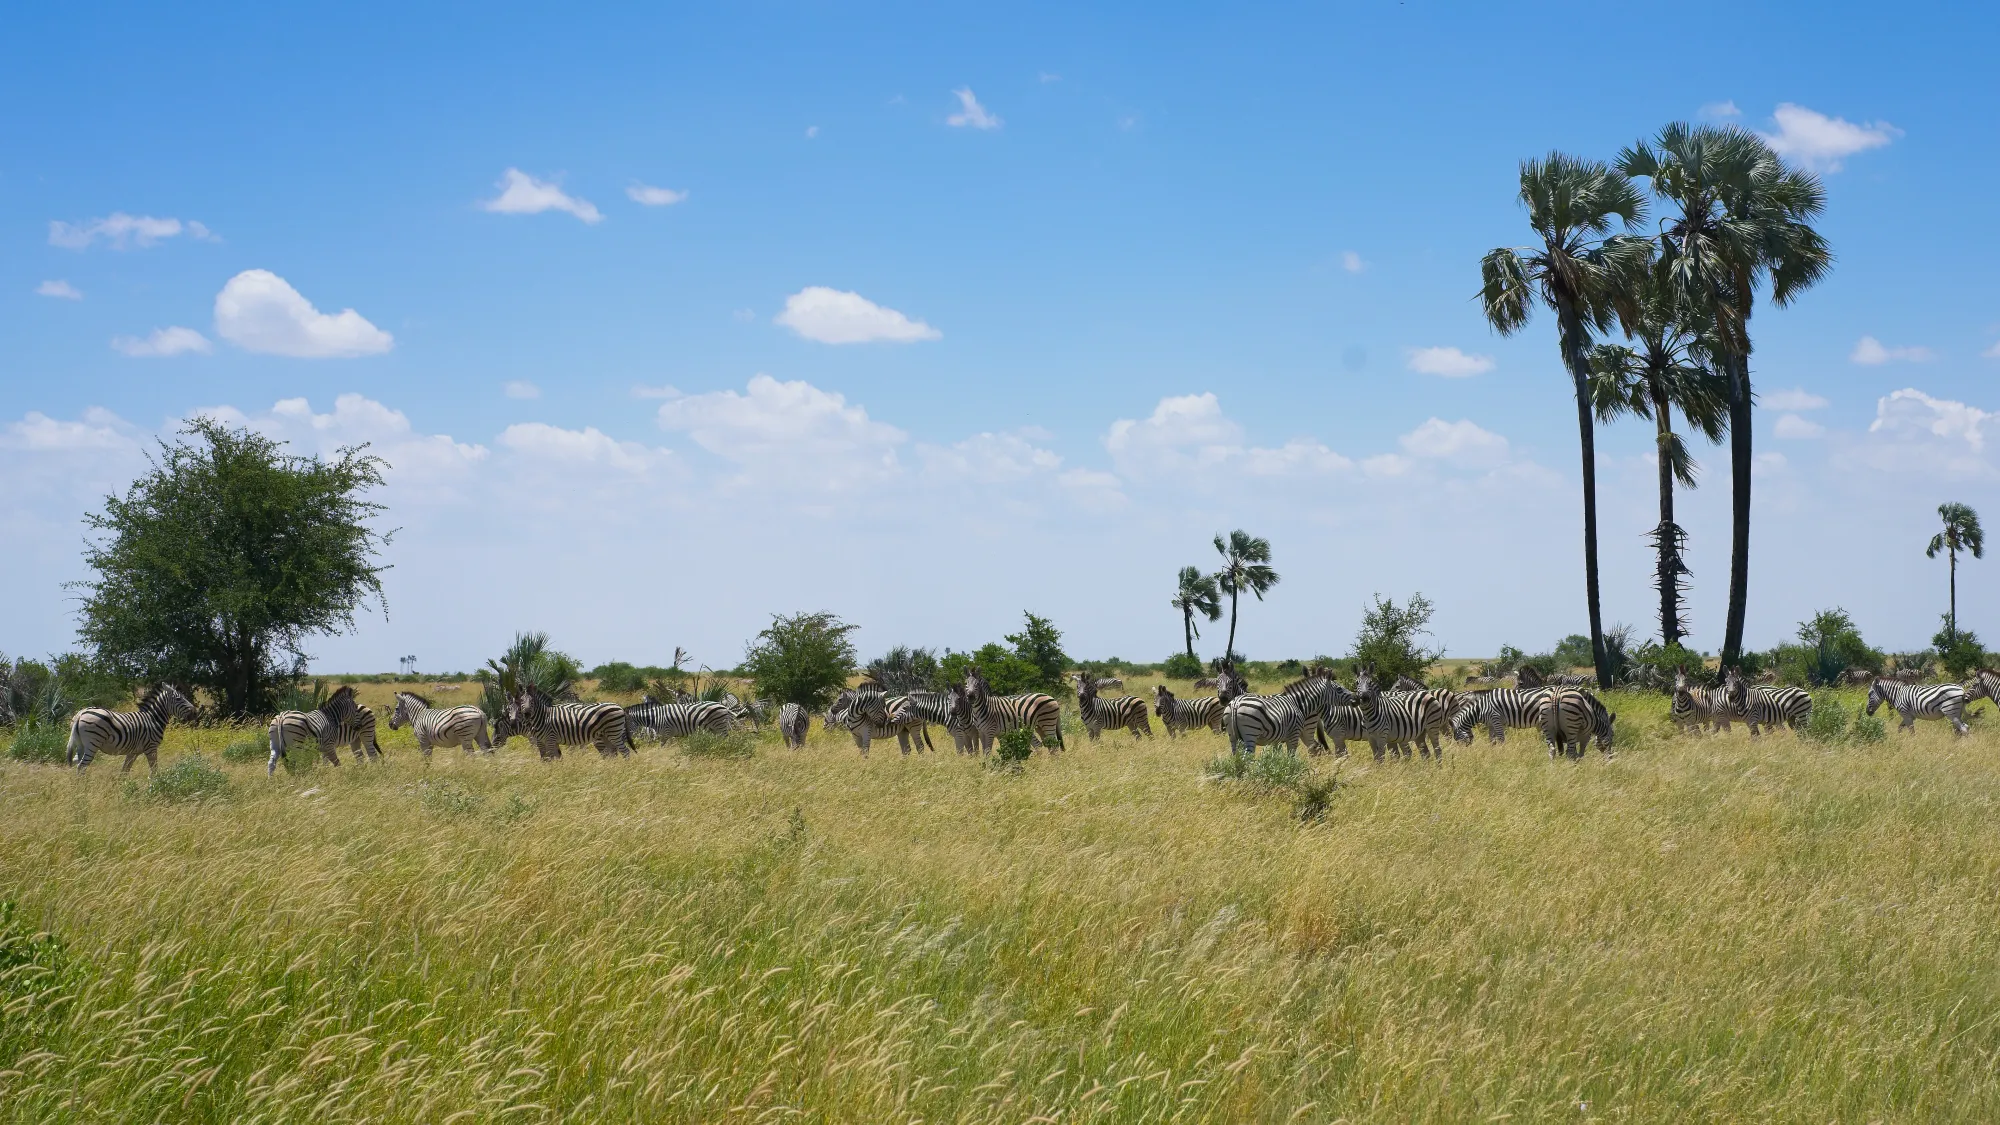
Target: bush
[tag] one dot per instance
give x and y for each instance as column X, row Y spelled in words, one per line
column 40, row 745
column 1388, row 638
column 1005, row 672
column 193, row 778
column 737, row 744
column 626, row 679
column 1573, row 651
column 1014, row 746
column 804, row 659
column 1829, row 645
column 903, row 669
column 1867, row 729
column 1313, row 798
column 1959, row 653
column 1653, row 665
column 1182, row 666
column 1828, row 724
column 246, row 750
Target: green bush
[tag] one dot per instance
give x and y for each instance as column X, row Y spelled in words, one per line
column 1867, row 729
column 193, row 778
column 1014, row 745
column 1959, row 653
column 708, row 744
column 40, row 745
column 1181, row 666
column 1828, row 724
column 1389, row 638
column 1313, row 798
column 246, row 750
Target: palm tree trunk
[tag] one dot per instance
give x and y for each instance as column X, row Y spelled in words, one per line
column 1739, row 508
column 1951, row 622
column 1187, row 628
column 1230, row 652
column 1669, row 562
column 1574, row 339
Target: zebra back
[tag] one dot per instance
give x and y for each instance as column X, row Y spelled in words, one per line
column 1920, row 701
column 990, row 714
column 551, row 728
column 1268, row 720
column 793, row 725
column 131, row 733
column 1572, row 717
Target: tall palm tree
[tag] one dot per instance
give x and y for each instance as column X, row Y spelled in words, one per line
column 1961, row 533
column 1668, row 366
column 1197, row 594
column 1742, row 219
column 1585, row 275
column 1246, row 566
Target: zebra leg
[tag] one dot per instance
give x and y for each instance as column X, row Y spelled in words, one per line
column 479, row 738
column 129, row 759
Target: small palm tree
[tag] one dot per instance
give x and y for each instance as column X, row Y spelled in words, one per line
column 1197, row 594
column 1961, row 533
column 1587, row 277
column 1246, row 566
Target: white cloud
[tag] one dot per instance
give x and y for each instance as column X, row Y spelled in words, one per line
column 522, row 194
column 1351, row 262
column 61, row 289
column 1793, row 426
column 429, row 468
column 163, row 342
column 1915, row 432
column 121, row 231
column 988, row 459
column 833, row 316
column 1798, row 398
column 1448, row 362
column 971, row 114
column 1462, row 443
column 99, row 429
column 521, row 388
column 1871, row 352
column 259, row 311
column 588, row 446
column 791, row 434
column 1189, row 441
column 1718, row 110
column 1819, row 141
column 654, row 196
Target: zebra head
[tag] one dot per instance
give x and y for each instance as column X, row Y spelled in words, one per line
column 1086, row 688
column 1163, row 701
column 1603, row 721
column 163, row 700
column 1880, row 692
column 408, row 706
column 1735, row 689
column 528, row 709
column 341, row 704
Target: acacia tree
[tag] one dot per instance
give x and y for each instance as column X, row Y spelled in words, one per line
column 1585, row 275
column 1961, row 533
column 215, row 567
column 1246, row 567
column 1197, row 594
column 804, row 658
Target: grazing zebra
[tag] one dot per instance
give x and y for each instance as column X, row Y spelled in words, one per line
column 897, row 717
column 939, row 707
column 462, row 726
column 1396, row 719
column 1571, row 718
column 678, row 720
column 1177, row 715
column 1913, row 702
column 990, row 714
column 1498, row 710
column 551, row 727
column 1100, row 715
column 793, row 724
column 131, row 733
column 1768, row 706
column 1268, row 720
column 1984, row 682
column 340, row 721
column 1696, row 708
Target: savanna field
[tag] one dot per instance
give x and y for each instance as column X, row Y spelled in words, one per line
column 1701, row 928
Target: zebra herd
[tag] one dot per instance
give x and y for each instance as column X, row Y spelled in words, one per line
column 1315, row 708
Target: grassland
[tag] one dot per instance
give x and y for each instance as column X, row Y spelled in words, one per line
column 1698, row 929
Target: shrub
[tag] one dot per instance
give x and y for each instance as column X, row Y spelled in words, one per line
column 1389, row 638
column 40, row 744
column 1573, row 651
column 1829, row 644
column 246, row 750
column 904, row 669
column 193, row 778
column 1959, row 652
column 1313, row 798
column 1867, row 729
column 1039, row 645
column 1182, row 666
column 1828, row 724
column 736, row 744
column 1652, row 665
column 804, row 659
column 1014, row 746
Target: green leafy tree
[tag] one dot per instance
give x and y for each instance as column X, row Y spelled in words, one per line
column 1197, row 593
column 1585, row 276
column 805, row 659
column 1958, row 650
column 1573, row 651
column 1391, row 638
column 903, row 669
column 1741, row 219
column 1961, row 533
column 1246, row 568
column 216, row 566
column 1039, row 645
column 1828, row 645
column 1006, row 673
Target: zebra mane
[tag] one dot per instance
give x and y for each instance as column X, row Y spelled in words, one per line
column 152, row 692
column 421, row 701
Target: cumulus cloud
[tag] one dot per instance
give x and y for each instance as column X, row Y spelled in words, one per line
column 833, row 316
column 1871, row 352
column 521, row 388
column 163, row 342
column 1448, row 362
column 522, row 194
column 1823, row 142
column 1715, row 111
column 121, row 231
column 790, row 433
column 1351, row 262
column 1188, row 439
column 259, row 311
column 98, row 429
column 989, row 458
column 1462, row 443
column 1798, row 398
column 426, row 468
column 1913, row 431
column 971, row 115
column 1793, row 426
column 588, row 446
column 653, row 196
column 62, row 289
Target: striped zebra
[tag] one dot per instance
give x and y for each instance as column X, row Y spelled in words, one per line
column 1572, row 717
column 1768, row 706
column 551, row 727
column 940, row 707
column 1697, row 709
column 462, row 726
column 1920, row 701
column 97, row 730
column 1396, row 719
column 1194, row 713
column 678, row 720
column 1984, row 682
column 1341, row 724
column 1099, row 715
column 793, row 725
column 1252, row 720
column 340, row 721
column 1498, row 711
column 990, row 714
column 869, row 715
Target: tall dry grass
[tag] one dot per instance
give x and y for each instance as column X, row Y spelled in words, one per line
column 1698, row 929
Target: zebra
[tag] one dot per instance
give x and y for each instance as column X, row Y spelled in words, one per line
column 1498, row 710
column 550, row 728
column 1768, row 706
column 130, row 733
column 1697, row 708
column 990, row 714
column 678, row 720
column 1270, row 720
column 1100, row 715
column 1571, row 718
column 1343, row 723
column 793, row 725
column 462, row 726
column 1194, row 713
column 340, row 721
column 1913, row 702
column 896, row 717
column 938, row 707
column 1984, row 682
column 1395, row 719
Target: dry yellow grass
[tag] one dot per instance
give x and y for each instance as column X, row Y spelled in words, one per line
column 1706, row 929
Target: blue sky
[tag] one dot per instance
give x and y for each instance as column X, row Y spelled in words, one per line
column 1007, row 308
